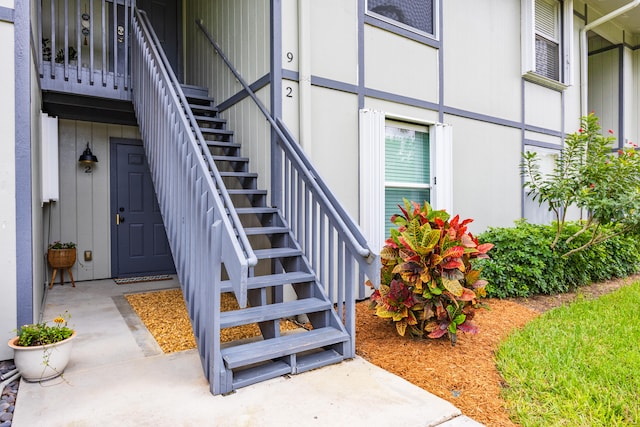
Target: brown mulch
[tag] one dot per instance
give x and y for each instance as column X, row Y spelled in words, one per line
column 464, row 375
column 164, row 313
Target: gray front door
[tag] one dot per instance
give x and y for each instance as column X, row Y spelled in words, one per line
column 166, row 20
column 139, row 243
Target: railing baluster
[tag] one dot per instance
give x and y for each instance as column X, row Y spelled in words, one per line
column 40, row 35
column 91, row 48
column 114, row 54
column 126, row 44
column 103, row 31
column 331, row 270
column 78, row 43
column 323, row 247
column 53, row 39
column 65, row 53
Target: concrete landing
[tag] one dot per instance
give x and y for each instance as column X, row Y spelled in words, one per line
column 118, row 376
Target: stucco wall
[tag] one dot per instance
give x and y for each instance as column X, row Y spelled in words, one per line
column 486, row 179
column 482, row 57
column 8, row 314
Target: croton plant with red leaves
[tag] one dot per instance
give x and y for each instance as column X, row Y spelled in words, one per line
column 428, row 284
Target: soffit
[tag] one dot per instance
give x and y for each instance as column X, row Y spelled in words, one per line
column 628, row 21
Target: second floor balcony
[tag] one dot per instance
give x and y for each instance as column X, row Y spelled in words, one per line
column 84, row 59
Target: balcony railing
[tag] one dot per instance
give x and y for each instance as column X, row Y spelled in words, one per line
column 84, row 47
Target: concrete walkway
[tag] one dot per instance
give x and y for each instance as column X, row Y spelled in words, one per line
column 119, row 376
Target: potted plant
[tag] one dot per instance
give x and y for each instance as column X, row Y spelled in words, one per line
column 61, row 256
column 41, row 351
column 60, row 54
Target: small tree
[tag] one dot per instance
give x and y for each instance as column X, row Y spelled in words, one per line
column 591, row 176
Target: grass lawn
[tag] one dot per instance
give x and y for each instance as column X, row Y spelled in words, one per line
column 577, row 365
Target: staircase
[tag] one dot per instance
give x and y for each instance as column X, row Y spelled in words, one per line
column 298, row 257
column 280, row 262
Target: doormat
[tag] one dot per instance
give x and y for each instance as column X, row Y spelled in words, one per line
column 127, row 280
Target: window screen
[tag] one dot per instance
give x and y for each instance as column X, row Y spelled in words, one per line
column 416, row 14
column 407, row 169
column 547, row 38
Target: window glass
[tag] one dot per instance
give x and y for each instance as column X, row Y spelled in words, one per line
column 407, row 169
column 417, row 14
column 547, row 38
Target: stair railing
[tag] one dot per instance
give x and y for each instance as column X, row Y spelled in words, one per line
column 324, row 230
column 238, row 255
column 201, row 223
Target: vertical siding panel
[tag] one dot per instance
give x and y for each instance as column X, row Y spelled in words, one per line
column 84, row 205
column 101, row 202
column 241, row 28
column 66, row 206
column 83, row 212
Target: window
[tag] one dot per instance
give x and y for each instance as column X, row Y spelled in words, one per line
column 547, row 30
column 534, row 212
column 401, row 159
column 546, row 42
column 411, row 14
column 407, row 168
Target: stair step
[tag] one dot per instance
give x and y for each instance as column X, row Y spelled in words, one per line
column 204, row 108
column 256, row 231
column 237, row 159
column 268, row 312
column 239, row 174
column 260, row 373
column 316, row 360
column 224, row 144
column 194, row 90
column 217, row 121
column 260, row 351
column 247, row 191
column 215, row 131
column 266, row 371
column 256, row 210
column 199, row 99
column 258, row 282
column 276, row 253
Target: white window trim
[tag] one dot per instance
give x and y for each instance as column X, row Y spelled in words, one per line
column 434, row 23
column 372, row 182
column 529, row 51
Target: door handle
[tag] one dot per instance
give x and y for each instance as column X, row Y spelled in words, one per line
column 119, row 219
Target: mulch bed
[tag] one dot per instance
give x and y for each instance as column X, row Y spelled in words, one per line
column 165, row 315
column 464, row 375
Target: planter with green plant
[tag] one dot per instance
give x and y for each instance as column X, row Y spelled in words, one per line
column 41, row 351
column 61, row 256
column 428, row 284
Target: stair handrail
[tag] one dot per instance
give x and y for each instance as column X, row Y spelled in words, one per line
column 221, row 197
column 355, row 238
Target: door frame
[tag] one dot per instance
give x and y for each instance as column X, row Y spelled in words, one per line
column 113, row 203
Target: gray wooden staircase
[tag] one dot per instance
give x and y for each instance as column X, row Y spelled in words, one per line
column 280, row 263
column 298, row 255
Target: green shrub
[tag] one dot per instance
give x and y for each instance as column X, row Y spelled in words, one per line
column 523, row 264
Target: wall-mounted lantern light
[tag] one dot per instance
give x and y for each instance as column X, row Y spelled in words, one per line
column 87, row 158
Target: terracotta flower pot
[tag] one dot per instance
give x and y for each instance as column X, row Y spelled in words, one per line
column 42, row 362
